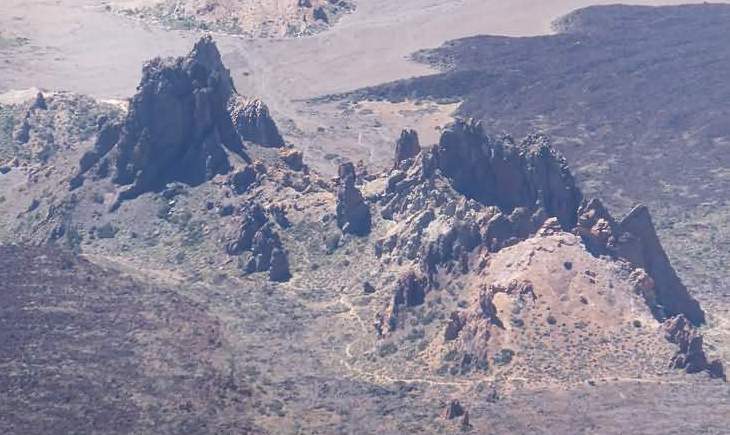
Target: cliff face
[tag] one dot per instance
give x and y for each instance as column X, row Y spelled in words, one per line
column 502, row 173
column 186, row 123
column 634, row 239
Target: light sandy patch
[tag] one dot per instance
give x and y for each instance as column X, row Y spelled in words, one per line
column 18, row 96
column 427, row 118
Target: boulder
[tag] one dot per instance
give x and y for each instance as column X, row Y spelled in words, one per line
column 691, row 355
column 453, row 410
column 254, row 123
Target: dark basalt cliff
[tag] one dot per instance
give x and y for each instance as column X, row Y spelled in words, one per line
column 186, row 123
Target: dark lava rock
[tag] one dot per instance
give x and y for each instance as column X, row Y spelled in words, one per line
column 691, row 355
column 243, row 179
column 406, row 147
column 178, row 128
column 22, row 132
column 368, row 288
column 454, row 327
column 39, row 103
column 353, row 214
column 635, row 239
column 498, row 172
column 257, row 236
column 410, row 290
column 253, row 122
column 453, row 410
column 107, row 136
column 254, row 218
column 319, row 14
column 293, row 158
column 279, row 266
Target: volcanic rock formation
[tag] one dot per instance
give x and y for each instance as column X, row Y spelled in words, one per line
column 257, row 237
column 407, row 146
column 178, row 127
column 253, row 122
column 634, row 239
column 353, row 213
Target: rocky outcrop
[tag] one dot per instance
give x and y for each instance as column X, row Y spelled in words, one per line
column 108, row 133
column 353, row 213
column 293, row 158
column 409, row 291
column 179, row 128
column 39, row 103
column 257, row 238
column 498, row 172
column 691, row 355
column 242, row 180
column 253, row 122
column 472, row 191
column 453, row 410
column 634, row 239
column 406, row 147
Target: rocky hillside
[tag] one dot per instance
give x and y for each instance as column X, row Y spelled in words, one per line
column 472, row 262
column 258, row 18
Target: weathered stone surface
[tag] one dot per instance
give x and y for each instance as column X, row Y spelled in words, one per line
column 257, row 236
column 293, row 158
column 406, row 147
column 634, row 239
column 353, row 213
column 408, row 291
column 499, row 172
column 279, row 266
column 254, row 123
column 107, row 136
column 453, row 410
column 177, row 127
column 240, row 181
column 691, row 355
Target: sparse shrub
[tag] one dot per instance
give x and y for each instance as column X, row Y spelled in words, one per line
column 415, row 334
column 387, row 349
column 504, row 357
